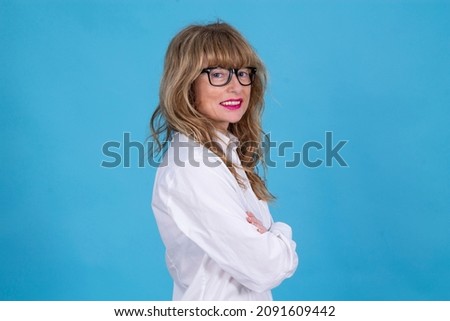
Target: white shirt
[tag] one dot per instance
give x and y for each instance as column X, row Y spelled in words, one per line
column 212, row 252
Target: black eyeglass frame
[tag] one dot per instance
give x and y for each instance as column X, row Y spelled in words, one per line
column 232, row 71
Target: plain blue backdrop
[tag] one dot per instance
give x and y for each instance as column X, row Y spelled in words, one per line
column 77, row 74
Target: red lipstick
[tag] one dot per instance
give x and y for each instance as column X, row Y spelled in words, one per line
column 232, row 104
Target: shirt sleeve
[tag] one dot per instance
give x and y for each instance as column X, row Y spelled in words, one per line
column 204, row 204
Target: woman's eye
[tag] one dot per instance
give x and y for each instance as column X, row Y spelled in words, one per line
column 217, row 74
column 242, row 74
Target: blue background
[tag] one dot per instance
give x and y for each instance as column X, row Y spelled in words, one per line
column 77, row 74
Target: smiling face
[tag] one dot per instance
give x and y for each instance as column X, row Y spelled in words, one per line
column 222, row 105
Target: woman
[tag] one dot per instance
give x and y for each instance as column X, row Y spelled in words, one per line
column 209, row 202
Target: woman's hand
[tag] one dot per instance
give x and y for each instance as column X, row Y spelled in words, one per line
column 257, row 223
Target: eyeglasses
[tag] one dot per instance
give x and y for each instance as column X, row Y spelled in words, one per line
column 221, row 76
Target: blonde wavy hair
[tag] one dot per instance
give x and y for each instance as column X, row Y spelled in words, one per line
column 192, row 49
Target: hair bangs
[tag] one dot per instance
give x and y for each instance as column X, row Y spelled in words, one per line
column 222, row 49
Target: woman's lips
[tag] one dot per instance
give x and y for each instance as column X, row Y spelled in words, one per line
column 232, row 104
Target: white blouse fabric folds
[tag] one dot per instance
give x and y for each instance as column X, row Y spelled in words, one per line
column 212, row 252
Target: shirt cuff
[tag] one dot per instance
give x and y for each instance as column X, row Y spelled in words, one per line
column 278, row 228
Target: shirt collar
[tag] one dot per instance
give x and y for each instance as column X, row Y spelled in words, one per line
column 225, row 140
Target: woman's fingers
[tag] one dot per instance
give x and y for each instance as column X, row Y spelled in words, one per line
column 261, row 229
column 251, row 218
column 257, row 223
column 250, row 214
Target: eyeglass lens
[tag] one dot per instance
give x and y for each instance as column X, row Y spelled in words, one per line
column 221, row 76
